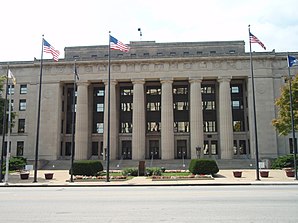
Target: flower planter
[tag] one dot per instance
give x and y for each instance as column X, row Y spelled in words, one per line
column 264, row 173
column 24, row 176
column 290, row 173
column 48, row 176
column 237, row 174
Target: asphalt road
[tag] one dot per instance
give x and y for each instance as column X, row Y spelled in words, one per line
column 150, row 204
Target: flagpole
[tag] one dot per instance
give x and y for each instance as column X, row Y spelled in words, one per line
column 8, row 139
column 73, row 120
column 4, row 125
column 109, row 112
column 294, row 143
column 38, row 114
column 254, row 109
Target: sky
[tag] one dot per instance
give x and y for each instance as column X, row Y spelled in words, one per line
column 85, row 23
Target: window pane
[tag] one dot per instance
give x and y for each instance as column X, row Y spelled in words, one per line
column 23, row 89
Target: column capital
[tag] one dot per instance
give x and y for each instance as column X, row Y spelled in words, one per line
column 224, row 79
column 165, row 80
column 195, row 80
column 138, row 81
column 112, row 82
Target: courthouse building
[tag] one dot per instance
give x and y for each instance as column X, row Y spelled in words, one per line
column 167, row 100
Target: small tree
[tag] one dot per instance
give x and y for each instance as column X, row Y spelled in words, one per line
column 283, row 122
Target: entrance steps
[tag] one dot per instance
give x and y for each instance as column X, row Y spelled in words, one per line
column 168, row 164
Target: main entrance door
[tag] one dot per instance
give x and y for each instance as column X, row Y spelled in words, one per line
column 154, row 149
column 181, row 149
column 126, row 149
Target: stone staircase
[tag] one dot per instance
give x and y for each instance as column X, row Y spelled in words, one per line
column 168, row 164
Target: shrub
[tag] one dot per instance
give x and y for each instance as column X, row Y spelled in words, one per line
column 283, row 162
column 130, row 172
column 203, row 166
column 16, row 163
column 155, row 171
column 87, row 167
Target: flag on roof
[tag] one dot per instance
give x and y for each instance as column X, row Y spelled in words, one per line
column 292, row 61
column 12, row 77
column 117, row 45
column 48, row 48
column 254, row 39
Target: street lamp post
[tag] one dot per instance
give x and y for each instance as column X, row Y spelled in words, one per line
column 293, row 124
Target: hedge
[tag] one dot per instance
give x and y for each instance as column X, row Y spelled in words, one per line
column 87, row 167
column 203, row 166
column 283, row 161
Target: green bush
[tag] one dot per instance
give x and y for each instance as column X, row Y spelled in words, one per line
column 130, row 172
column 155, row 171
column 87, row 167
column 203, row 166
column 283, row 162
column 15, row 163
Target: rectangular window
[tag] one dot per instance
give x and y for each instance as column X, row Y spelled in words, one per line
column 180, row 90
column 126, row 106
column 23, row 89
column 100, row 107
column 22, row 105
column 235, row 90
column 100, row 93
column 209, row 126
column 21, row 126
column 153, row 106
column 208, row 105
column 236, row 104
column 153, row 126
column 208, row 89
column 181, row 126
column 153, row 91
column 126, row 127
column 20, row 148
column 126, row 91
column 181, row 106
column 238, row 126
column 11, row 89
column 94, row 148
column 99, row 127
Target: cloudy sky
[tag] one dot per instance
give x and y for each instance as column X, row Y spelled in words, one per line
column 84, row 23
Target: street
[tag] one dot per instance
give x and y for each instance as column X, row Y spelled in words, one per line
column 150, row 204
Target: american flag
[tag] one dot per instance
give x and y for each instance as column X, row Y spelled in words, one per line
column 48, row 48
column 254, row 39
column 117, row 45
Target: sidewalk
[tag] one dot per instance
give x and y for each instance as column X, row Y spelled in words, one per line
column 224, row 177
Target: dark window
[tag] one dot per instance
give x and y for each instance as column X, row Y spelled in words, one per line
column 23, row 89
column 22, row 105
column 126, row 105
column 153, row 101
column 21, row 126
column 98, row 109
column 94, row 148
column 20, row 148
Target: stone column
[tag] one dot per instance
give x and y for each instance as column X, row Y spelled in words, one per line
column 113, row 120
column 138, row 120
column 196, row 117
column 167, row 120
column 225, row 118
column 82, row 130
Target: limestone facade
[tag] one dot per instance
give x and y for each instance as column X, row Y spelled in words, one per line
column 166, row 99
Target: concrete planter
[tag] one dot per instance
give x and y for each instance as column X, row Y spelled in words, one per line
column 264, row 173
column 237, row 174
column 24, row 176
column 290, row 172
column 48, row 176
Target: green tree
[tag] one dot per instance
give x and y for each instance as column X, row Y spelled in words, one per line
column 283, row 122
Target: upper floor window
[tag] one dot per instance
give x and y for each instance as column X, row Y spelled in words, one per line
column 11, row 89
column 23, row 89
column 126, row 91
column 22, row 105
column 180, row 90
column 21, row 126
column 153, row 91
column 235, row 89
